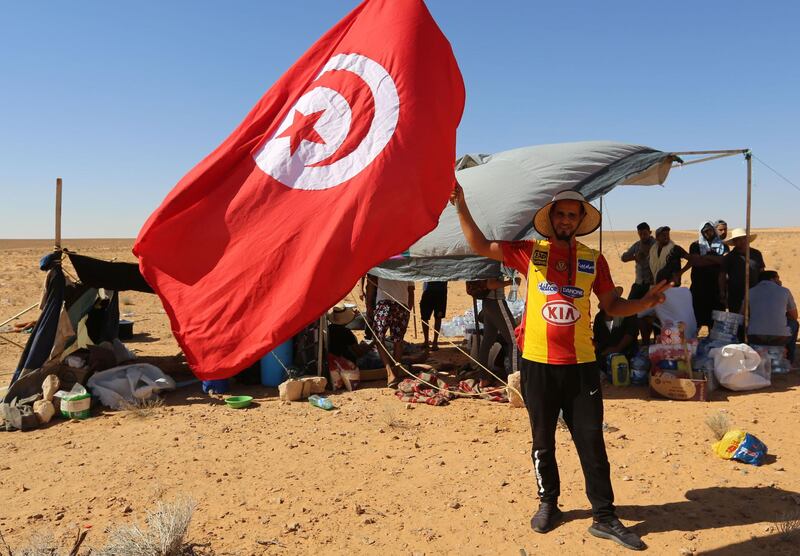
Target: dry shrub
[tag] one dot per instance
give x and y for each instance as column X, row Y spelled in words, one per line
column 40, row 544
column 390, row 418
column 164, row 535
column 127, row 301
column 44, row 543
column 788, row 527
column 719, row 424
column 142, row 409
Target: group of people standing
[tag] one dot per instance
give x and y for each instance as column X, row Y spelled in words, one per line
column 719, row 279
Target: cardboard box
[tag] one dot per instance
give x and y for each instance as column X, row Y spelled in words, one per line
column 667, row 386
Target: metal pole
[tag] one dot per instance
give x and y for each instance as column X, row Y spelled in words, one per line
column 740, row 151
column 749, row 157
column 705, row 159
column 58, row 214
column 601, row 225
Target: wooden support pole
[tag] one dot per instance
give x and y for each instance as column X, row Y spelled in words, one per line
column 749, row 157
column 58, row 214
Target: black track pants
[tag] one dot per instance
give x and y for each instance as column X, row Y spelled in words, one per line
column 575, row 389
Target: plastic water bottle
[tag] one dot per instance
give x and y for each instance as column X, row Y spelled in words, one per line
column 320, row 402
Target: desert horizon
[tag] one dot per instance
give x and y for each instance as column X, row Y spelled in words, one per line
column 378, row 475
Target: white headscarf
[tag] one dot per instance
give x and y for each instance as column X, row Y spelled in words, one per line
column 715, row 246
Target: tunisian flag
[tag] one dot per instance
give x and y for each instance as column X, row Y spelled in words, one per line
column 344, row 162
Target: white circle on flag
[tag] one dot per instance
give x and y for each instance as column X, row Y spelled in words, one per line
column 291, row 161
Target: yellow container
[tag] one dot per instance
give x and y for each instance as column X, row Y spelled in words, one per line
column 619, row 369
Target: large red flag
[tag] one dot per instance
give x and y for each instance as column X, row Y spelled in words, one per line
column 344, row 162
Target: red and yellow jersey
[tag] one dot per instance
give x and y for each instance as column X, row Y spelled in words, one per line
column 557, row 321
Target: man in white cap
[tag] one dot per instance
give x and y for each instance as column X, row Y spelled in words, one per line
column 732, row 270
column 559, row 370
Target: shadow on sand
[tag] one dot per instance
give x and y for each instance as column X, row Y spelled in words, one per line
column 715, row 508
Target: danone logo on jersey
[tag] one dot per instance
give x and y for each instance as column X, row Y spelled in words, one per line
column 560, row 313
column 548, row 288
column 572, row 291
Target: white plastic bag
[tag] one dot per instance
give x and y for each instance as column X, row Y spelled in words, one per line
column 129, row 383
column 736, row 366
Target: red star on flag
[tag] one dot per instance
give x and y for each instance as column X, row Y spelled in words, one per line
column 302, row 128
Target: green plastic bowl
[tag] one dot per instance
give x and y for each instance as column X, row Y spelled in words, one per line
column 238, row 402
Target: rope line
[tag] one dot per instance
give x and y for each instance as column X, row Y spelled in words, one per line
column 448, row 341
column 366, row 321
column 611, row 227
column 20, row 346
column 397, row 363
column 784, row 178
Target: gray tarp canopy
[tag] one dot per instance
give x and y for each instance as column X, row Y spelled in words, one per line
column 505, row 189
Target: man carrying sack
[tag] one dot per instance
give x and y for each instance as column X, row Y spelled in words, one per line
column 559, row 371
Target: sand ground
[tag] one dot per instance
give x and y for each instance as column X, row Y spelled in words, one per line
column 376, row 476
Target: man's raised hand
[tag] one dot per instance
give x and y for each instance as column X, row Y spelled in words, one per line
column 457, row 196
column 656, row 294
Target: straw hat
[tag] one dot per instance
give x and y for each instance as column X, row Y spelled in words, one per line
column 739, row 232
column 590, row 222
column 341, row 315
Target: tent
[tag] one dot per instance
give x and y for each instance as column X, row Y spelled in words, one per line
column 503, row 191
column 72, row 315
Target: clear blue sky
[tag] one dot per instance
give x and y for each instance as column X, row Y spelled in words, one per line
column 122, row 99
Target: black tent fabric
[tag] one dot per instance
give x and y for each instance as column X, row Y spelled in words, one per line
column 40, row 343
column 78, row 301
column 109, row 275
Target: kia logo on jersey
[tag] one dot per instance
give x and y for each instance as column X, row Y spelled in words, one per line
column 560, row 313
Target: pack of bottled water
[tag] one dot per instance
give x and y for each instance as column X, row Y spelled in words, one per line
column 726, row 326
column 459, row 325
column 776, row 356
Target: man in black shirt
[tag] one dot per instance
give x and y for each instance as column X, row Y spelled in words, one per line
column 732, row 270
column 614, row 335
column 708, row 252
column 341, row 340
